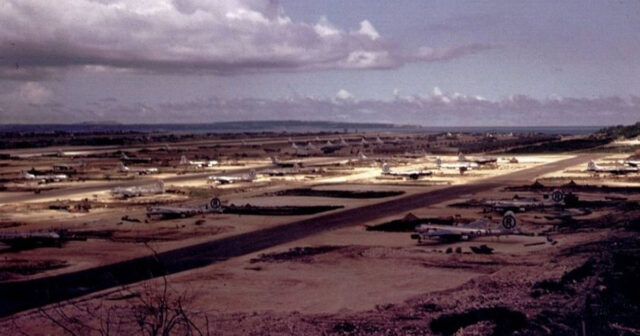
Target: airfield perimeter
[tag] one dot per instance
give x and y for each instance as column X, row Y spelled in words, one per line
column 21, row 295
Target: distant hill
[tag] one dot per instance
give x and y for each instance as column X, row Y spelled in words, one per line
column 215, row 127
column 615, row 132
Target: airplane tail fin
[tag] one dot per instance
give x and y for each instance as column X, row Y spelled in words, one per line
column 385, row 168
column 438, row 162
column 592, row 166
column 122, row 167
column 252, row 174
column 160, row 186
column 461, row 157
column 183, row 160
column 509, row 221
column 273, row 160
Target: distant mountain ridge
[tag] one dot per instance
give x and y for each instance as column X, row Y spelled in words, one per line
column 283, row 126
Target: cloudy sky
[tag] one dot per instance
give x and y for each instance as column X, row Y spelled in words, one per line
column 440, row 63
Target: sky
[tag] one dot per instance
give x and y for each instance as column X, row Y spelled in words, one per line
column 432, row 63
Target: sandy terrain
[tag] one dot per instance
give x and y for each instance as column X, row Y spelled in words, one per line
column 308, row 274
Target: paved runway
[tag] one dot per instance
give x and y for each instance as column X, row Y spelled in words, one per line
column 22, row 295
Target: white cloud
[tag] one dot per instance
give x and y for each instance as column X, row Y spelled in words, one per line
column 445, row 110
column 344, row 95
column 325, row 28
column 362, row 59
column 184, row 36
column 367, row 29
column 33, row 93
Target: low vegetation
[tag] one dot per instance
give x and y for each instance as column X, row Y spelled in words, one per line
column 621, row 131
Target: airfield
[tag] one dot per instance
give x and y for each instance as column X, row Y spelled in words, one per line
column 311, row 236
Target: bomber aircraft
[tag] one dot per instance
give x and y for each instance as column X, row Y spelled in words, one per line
column 166, row 212
column 412, row 174
column 233, row 178
column 619, row 170
column 478, row 228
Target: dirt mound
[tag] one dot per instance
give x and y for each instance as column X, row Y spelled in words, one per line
column 408, row 224
column 506, row 321
column 299, row 254
column 278, row 210
column 12, row 268
column 573, row 186
column 338, row 193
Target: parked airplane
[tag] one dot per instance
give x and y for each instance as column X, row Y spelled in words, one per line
column 330, row 147
column 285, row 164
column 125, row 158
column 281, row 172
column 233, row 178
column 343, row 142
column 455, row 165
column 379, row 141
column 311, row 146
column 214, row 205
column 151, row 189
column 416, row 155
column 478, row 160
column 593, row 167
column 30, row 240
column 139, row 170
column 200, row 164
column 43, row 178
column 412, row 174
column 68, row 167
column 301, row 152
column 479, row 228
column 633, row 163
column 523, row 204
column 362, row 158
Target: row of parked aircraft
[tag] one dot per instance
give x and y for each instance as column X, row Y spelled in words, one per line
column 214, row 206
column 520, row 204
column 483, row 227
column 463, row 164
column 329, row 146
